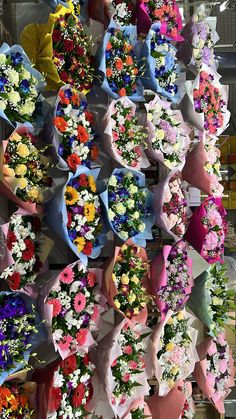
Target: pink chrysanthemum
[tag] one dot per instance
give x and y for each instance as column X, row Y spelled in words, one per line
column 56, row 306
column 67, row 275
column 79, row 302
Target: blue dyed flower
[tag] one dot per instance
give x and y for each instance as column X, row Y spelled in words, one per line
column 16, row 58
column 24, row 86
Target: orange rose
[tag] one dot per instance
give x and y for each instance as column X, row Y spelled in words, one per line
column 60, row 123
column 119, row 64
column 109, row 46
column 129, row 60
column 108, row 72
column 122, row 92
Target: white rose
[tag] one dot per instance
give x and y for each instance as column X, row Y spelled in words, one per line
column 112, row 181
column 111, row 214
column 2, row 59
column 27, row 109
column 130, row 203
column 141, row 227
column 123, row 235
column 25, row 75
column 120, row 209
column 135, row 215
column 14, row 97
column 133, row 189
column 13, row 77
column 2, row 105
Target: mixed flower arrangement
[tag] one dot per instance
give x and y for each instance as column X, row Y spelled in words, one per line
column 188, row 411
column 124, row 11
column 72, row 388
column 75, row 143
column 15, row 401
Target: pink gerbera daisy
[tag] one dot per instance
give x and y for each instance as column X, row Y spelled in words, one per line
column 67, row 275
column 56, row 306
column 65, row 342
column 79, row 302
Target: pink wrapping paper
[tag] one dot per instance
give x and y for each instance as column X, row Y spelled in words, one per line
column 159, row 277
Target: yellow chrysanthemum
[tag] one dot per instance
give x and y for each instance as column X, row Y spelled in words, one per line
column 92, row 183
column 71, row 195
column 89, row 212
column 80, row 243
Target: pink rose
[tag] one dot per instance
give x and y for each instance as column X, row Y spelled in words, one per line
column 176, row 355
column 95, row 313
column 223, row 365
column 212, row 349
column 221, row 339
column 127, row 350
column 115, row 135
column 210, row 378
column 133, row 365
column 114, row 363
column 211, row 241
column 125, row 378
column 122, row 128
column 214, row 218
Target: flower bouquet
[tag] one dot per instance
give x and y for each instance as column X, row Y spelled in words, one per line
column 161, row 69
column 73, row 306
column 207, row 229
column 61, row 50
column 215, row 371
column 117, row 63
column 165, row 12
column 200, row 37
column 120, row 359
column 74, row 137
column 24, row 175
column 168, row 134
column 129, row 206
column 26, row 249
column 124, row 140
column 124, row 12
column 20, row 85
column 211, row 299
column 205, row 158
column 171, row 206
column 16, row 400
column 171, row 278
column 173, row 350
column 72, row 390
column 75, row 214
column 138, row 410
column 21, row 331
column 205, row 104
column 125, row 281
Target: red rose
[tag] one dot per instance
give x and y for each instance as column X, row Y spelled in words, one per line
column 83, row 180
column 54, row 401
column 86, row 359
column 28, row 253
column 56, row 35
column 68, row 45
column 11, row 239
column 69, row 365
column 63, row 76
column 36, row 223
column 80, row 51
column 91, row 278
column 69, row 216
column 38, row 264
column 14, row 281
column 87, row 250
column 78, row 395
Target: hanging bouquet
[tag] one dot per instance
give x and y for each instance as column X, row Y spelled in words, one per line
column 173, row 350
column 16, row 400
column 205, row 103
column 26, row 249
column 205, row 158
column 171, row 278
column 20, row 85
column 168, row 135
column 215, row 371
column 121, row 362
column 124, row 140
column 211, row 299
column 138, row 410
column 74, row 136
column 162, row 70
column 61, row 50
column 207, row 229
column 200, row 37
column 171, row 206
column 72, row 389
column 75, row 214
column 74, row 304
column 118, row 64
column 125, row 281
column 21, row 331
column 165, row 12
column 129, row 204
column 24, row 178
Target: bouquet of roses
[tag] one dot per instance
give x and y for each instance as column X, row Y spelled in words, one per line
column 173, row 350
column 171, row 206
column 165, row 12
column 74, row 137
column 24, row 177
column 205, row 104
column 211, row 299
column 124, row 139
column 200, row 37
column 21, row 331
column 20, row 85
column 73, row 307
column 61, row 50
column 125, row 280
column 118, row 64
column 205, row 158
column 26, row 249
column 168, row 134
column 121, row 360
column 75, row 214
column 207, row 229
column 171, row 278
column 161, row 69
column 215, row 371
column 16, row 400
column 129, row 206
column 72, row 390
column 138, row 410
column 125, row 11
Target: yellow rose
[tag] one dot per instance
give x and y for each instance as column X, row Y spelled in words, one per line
column 15, row 137
column 150, row 117
column 131, row 298
column 117, row 303
column 180, row 315
column 124, row 279
column 33, row 192
column 20, row 169
column 170, row 346
column 170, row 321
column 22, row 183
column 22, row 150
column 124, row 247
column 174, row 370
column 135, row 279
column 136, row 311
column 175, row 146
column 113, row 277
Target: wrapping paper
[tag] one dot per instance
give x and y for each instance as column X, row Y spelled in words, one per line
column 149, row 80
column 157, row 155
column 139, row 403
column 107, row 351
column 159, row 277
column 187, row 369
column 187, row 104
column 139, row 239
column 109, row 143
column 57, row 218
